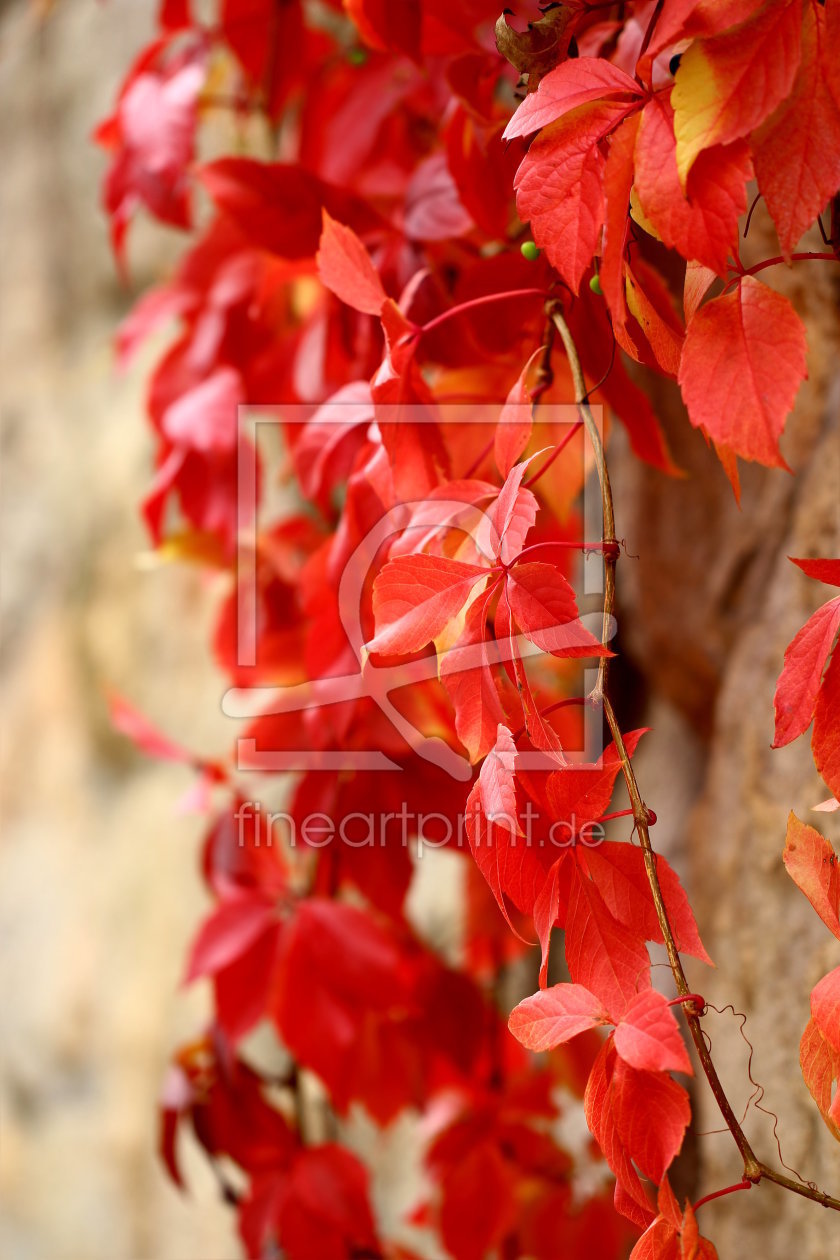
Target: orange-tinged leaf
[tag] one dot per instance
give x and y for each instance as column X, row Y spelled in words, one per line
column 702, row 221
column 653, row 312
column 648, row 1036
column 743, row 362
column 799, row 681
column 346, row 268
column 659, row 1242
column 812, row 864
column 552, row 1016
column 728, row 85
column 415, row 598
column 825, row 740
column 797, row 150
column 698, row 281
column 825, row 1008
column 820, row 1069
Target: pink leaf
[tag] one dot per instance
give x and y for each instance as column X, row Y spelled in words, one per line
column 812, row 864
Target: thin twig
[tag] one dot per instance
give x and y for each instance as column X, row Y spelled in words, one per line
column 754, row 1169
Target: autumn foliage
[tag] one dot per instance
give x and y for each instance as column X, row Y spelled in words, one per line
column 438, row 228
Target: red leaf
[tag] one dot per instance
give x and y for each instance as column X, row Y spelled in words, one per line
column 267, row 38
column 648, row 1036
column 574, row 83
column 552, row 903
column 584, row 792
column 501, row 851
column 174, row 15
column 620, row 874
column 728, row 85
column 651, row 1114
column 825, row 741
column 433, row 207
column 317, row 1207
column 552, row 1016
column 232, row 929
column 703, row 224
column 601, row 1116
column 465, row 671
column 559, row 186
column 743, row 363
column 544, row 607
column 799, row 681
column 797, row 151
column 822, row 570
column 512, row 516
column 415, row 598
column 152, row 134
column 479, row 1205
column 345, row 267
column 279, row 206
column 812, row 864
column 619, row 175
column 604, row 956
column 385, row 25
column 513, row 430
column 205, row 417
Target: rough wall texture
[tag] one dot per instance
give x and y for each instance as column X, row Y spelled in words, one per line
column 706, row 613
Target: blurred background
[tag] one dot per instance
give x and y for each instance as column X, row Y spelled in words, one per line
column 99, row 891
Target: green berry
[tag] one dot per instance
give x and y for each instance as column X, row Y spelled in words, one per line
column 595, row 285
column 357, row 56
column 529, row 250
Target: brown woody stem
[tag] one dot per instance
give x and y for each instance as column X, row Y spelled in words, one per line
column 754, row 1169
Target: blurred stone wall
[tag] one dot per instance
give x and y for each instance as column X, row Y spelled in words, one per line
column 98, row 887
column 706, row 611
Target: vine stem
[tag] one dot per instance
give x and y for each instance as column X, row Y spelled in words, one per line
column 811, row 256
column 754, row 1169
column 486, row 299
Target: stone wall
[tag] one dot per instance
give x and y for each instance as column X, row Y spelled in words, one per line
column 98, row 886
